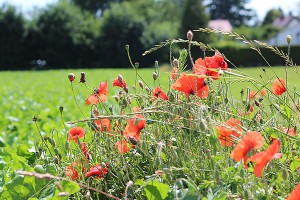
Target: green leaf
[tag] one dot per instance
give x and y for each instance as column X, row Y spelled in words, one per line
column 69, row 186
column 295, row 164
column 2, row 142
column 156, row 190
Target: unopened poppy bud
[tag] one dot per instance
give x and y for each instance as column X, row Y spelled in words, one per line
column 103, row 165
column 129, row 183
column 116, row 98
column 67, row 145
column 87, row 196
column 61, row 109
column 141, row 84
column 82, row 78
column 217, row 176
column 132, row 140
column 120, row 78
column 34, row 118
column 285, row 174
column 147, row 89
column 156, row 64
column 129, row 100
column 136, row 65
column 134, row 88
column 256, row 103
column 176, row 63
column 203, row 48
column 125, row 89
column 71, row 77
column 189, row 35
column 288, row 39
column 203, row 125
column 127, row 47
column 56, row 160
column 154, row 75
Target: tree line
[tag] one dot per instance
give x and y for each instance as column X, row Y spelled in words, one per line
column 93, row 33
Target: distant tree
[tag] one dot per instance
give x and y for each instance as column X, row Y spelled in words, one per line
column 63, row 35
column 194, row 17
column 271, row 15
column 95, row 6
column 11, row 37
column 233, row 10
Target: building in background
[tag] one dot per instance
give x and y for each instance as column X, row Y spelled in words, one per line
column 290, row 26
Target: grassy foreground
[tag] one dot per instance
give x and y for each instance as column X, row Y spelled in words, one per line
column 179, row 155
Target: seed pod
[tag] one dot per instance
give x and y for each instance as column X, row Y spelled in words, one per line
column 288, row 39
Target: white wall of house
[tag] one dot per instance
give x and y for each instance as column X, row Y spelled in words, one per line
column 280, row 38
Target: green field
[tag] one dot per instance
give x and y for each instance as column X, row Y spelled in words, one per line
column 40, row 93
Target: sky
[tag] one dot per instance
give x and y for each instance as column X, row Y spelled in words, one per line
column 261, row 6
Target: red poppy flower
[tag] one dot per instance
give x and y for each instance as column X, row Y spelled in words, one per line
column 97, row 171
column 199, row 67
column 278, row 86
column 252, row 140
column 122, row 146
column 261, row 159
column 263, row 93
column 102, row 124
column 174, row 73
column 134, row 126
column 295, row 194
column 99, row 95
column 252, row 95
column 229, row 131
column 159, row 93
column 191, row 85
column 71, row 172
column 85, row 151
column 120, row 82
column 214, row 64
column 289, row 131
column 76, row 132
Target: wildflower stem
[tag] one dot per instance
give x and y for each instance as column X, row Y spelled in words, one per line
column 76, row 100
column 43, row 138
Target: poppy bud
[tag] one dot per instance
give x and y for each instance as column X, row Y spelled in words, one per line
column 116, row 98
column 256, row 103
column 136, row 65
column 67, row 145
column 156, row 64
column 87, row 195
column 125, row 89
column 61, row 109
column 34, row 118
column 154, row 75
column 71, row 77
column 120, row 78
column 56, row 160
column 134, row 88
column 129, row 183
column 82, row 78
column 127, row 47
column 176, row 63
column 203, row 125
column 288, row 39
column 189, row 35
column 147, row 89
column 203, row 48
column 141, row 84
column 285, row 174
column 132, row 140
column 217, row 176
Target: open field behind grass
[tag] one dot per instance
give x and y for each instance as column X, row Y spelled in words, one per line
column 40, row 93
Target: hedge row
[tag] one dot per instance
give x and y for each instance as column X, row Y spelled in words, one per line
column 246, row 57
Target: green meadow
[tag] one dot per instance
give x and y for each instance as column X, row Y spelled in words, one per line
column 40, row 93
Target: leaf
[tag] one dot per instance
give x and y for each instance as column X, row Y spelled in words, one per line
column 69, row 186
column 156, row 190
column 295, row 164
